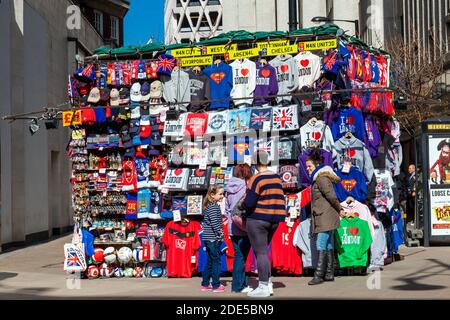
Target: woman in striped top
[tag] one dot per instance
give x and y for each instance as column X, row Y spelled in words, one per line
column 212, row 237
column 265, row 207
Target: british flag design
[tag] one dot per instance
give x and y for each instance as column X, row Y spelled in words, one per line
column 284, row 118
column 259, row 116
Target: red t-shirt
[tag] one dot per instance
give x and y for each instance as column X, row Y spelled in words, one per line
column 196, row 124
column 182, row 241
column 286, row 258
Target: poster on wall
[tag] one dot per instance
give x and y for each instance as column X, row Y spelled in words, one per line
column 439, row 182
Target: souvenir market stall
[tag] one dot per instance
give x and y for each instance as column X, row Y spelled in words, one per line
column 153, row 127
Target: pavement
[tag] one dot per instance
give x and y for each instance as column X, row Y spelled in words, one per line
column 36, row 272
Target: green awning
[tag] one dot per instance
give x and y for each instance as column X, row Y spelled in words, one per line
column 324, row 29
column 151, row 47
column 102, row 50
column 125, row 50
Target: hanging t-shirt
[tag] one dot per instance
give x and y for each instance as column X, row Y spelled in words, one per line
column 361, row 211
column 238, row 121
column 308, row 65
column 216, row 150
column 352, row 184
column 259, row 116
column 287, row 76
column 239, row 147
column 267, row 145
column 349, row 120
column 221, row 83
column 217, row 122
column 353, row 241
column 316, row 134
column 221, row 175
column 286, row 257
column 176, row 179
column 384, row 200
column 194, row 153
column 198, row 179
column 199, row 86
column 285, row 118
column 306, row 240
column 266, row 84
column 289, row 176
column 289, row 147
column 397, row 233
column 182, row 241
column 244, row 80
column 196, row 124
column 194, row 205
column 175, row 128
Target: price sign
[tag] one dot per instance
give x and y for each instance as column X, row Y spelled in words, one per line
column 224, row 162
column 266, row 126
column 176, row 215
column 248, row 159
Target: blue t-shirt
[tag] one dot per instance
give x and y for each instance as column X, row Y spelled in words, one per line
column 221, row 82
column 351, row 184
column 349, row 120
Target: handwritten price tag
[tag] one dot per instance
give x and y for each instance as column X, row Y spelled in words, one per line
column 266, row 126
column 176, row 215
column 224, row 162
column 248, row 159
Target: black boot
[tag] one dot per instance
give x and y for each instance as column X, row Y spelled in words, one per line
column 329, row 275
column 320, row 270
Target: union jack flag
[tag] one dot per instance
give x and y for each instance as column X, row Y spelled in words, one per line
column 180, row 204
column 266, row 145
column 74, row 257
column 284, row 118
column 166, row 63
column 259, row 116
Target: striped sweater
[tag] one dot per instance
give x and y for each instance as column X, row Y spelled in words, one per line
column 212, row 223
column 264, row 199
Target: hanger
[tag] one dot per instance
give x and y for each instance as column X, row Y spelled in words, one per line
column 197, row 69
column 348, row 135
column 217, row 61
column 263, row 61
column 313, row 120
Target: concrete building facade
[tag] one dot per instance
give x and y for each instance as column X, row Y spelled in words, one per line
column 37, row 54
column 188, row 21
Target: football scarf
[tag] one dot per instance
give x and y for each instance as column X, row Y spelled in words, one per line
column 143, row 172
column 198, row 179
column 129, row 176
column 131, row 207
column 143, row 203
column 259, row 116
column 217, row 122
column 239, row 147
column 238, row 121
column 285, row 118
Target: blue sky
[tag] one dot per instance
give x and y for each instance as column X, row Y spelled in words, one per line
column 144, row 20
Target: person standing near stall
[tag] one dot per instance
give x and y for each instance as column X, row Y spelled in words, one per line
column 234, row 195
column 265, row 208
column 411, row 196
column 326, row 210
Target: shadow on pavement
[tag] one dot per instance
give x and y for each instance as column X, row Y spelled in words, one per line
column 411, row 281
column 7, row 275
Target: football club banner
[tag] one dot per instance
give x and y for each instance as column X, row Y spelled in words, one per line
column 75, row 260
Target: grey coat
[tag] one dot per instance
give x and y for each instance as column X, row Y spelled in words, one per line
column 324, row 203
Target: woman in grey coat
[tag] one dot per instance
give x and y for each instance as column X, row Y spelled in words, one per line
column 326, row 210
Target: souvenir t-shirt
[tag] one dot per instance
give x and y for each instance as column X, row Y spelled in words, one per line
column 200, row 91
column 239, row 147
column 266, row 84
column 267, row 145
column 175, row 128
column 259, row 116
column 289, row 176
column 238, row 121
column 198, row 179
column 194, row 153
column 182, row 241
column 287, row 75
column 216, row 150
column 221, row 83
column 316, row 134
column 179, row 203
column 244, row 80
column 194, row 205
column 308, row 65
column 196, row 124
column 384, row 200
column 166, row 63
column 286, row 257
column 221, row 175
column 176, row 178
column 217, row 122
column 289, row 147
column 349, row 120
column 285, row 118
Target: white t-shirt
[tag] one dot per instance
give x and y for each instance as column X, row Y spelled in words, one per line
column 308, row 65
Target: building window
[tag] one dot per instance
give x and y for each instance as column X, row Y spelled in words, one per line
column 178, row 3
column 194, row 3
column 98, row 21
column 185, row 26
column 115, row 28
column 213, row 2
column 204, row 25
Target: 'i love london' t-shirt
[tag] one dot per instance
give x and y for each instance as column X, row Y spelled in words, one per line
column 316, row 134
column 182, row 241
column 176, row 178
column 308, row 65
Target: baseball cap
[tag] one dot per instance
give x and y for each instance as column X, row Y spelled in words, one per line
column 124, row 94
column 135, row 93
column 156, row 89
column 83, row 88
column 114, row 94
column 155, row 108
column 104, row 95
column 136, row 140
column 145, row 127
column 94, row 95
column 155, row 138
column 134, row 127
column 130, row 153
column 135, row 112
column 152, row 151
column 145, row 91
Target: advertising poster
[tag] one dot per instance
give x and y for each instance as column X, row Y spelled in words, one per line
column 439, row 172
